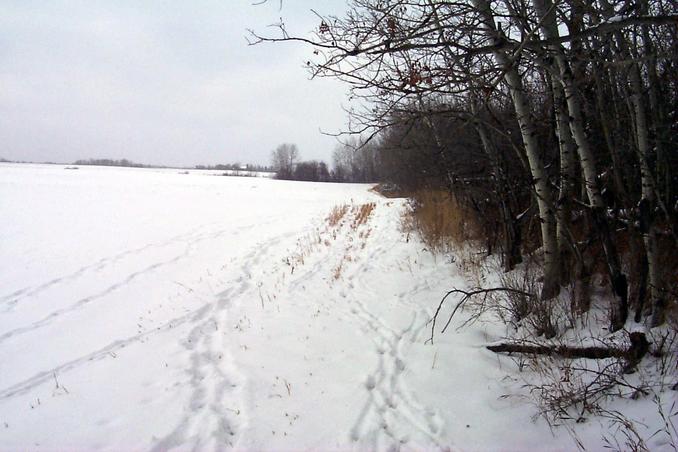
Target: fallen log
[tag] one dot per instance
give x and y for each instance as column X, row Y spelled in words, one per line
column 633, row 354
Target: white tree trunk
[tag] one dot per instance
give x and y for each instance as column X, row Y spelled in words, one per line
column 648, row 201
column 566, row 147
column 546, row 13
column 529, row 135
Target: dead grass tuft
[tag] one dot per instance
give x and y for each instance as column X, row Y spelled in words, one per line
column 337, row 214
column 336, row 273
column 362, row 213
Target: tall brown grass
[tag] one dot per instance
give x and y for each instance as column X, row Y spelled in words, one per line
column 441, row 220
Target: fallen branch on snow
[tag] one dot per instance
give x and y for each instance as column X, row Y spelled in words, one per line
column 633, row 354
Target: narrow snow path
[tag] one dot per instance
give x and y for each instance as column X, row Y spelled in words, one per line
column 336, row 340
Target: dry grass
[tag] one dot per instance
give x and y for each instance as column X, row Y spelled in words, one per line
column 359, row 213
column 337, row 214
column 355, row 236
column 336, row 273
column 440, row 220
column 362, row 214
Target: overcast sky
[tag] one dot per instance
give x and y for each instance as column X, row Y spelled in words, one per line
column 160, row 81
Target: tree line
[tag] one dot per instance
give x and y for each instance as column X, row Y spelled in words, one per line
column 111, row 162
column 351, row 162
column 130, row 164
column 236, row 167
column 555, row 123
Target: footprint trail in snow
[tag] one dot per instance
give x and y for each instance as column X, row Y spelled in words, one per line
column 248, row 328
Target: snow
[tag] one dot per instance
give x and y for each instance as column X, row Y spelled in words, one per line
column 150, row 310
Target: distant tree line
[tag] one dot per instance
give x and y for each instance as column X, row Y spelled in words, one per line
column 352, row 162
column 221, row 167
column 111, row 162
column 235, row 167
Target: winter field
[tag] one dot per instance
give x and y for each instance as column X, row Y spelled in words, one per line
column 150, row 310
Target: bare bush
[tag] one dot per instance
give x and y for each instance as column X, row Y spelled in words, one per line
column 524, row 306
column 568, row 391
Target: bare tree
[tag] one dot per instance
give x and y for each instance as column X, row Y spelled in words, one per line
column 284, row 159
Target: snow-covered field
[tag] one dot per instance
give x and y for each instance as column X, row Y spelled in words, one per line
column 151, row 310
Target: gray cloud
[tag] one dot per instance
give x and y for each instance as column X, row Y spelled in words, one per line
column 168, row 82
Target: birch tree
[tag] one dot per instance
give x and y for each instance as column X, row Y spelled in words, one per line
column 602, row 72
